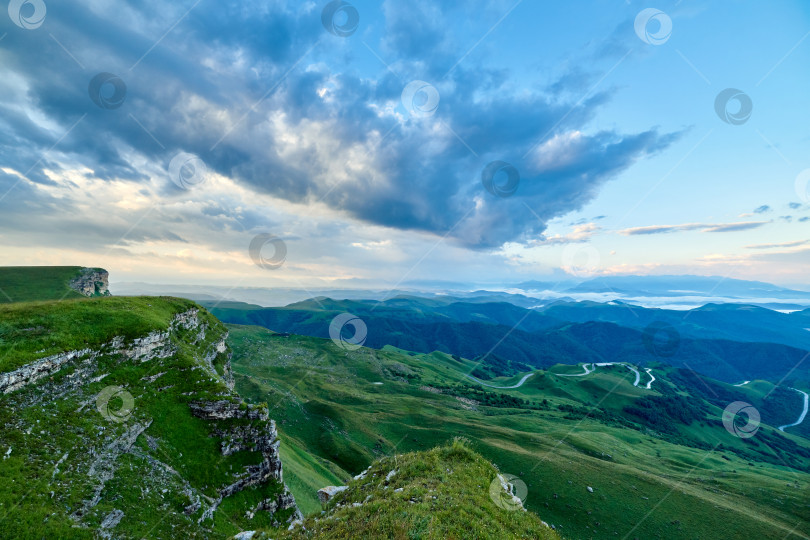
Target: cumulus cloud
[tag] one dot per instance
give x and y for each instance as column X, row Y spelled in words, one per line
column 264, row 96
column 581, row 233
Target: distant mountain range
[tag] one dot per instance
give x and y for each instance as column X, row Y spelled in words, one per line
column 671, row 292
column 728, row 342
column 685, row 286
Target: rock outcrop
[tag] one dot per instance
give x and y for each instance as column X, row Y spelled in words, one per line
column 325, row 494
column 259, row 435
column 175, row 383
column 92, row 282
column 157, row 344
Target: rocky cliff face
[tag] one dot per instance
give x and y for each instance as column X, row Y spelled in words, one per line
column 92, row 282
column 139, row 437
column 259, row 435
column 154, row 345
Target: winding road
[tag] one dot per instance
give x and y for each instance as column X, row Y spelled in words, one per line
column 482, row 383
column 804, row 412
column 652, row 378
column 592, row 368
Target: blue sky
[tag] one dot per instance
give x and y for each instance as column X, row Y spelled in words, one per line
column 309, row 135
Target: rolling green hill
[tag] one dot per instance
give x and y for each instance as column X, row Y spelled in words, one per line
column 734, row 322
column 677, row 476
column 510, row 339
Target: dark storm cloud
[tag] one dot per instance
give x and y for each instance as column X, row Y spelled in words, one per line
column 237, row 83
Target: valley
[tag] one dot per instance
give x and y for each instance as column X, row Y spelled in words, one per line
column 558, row 434
column 590, row 368
column 730, row 343
column 131, row 417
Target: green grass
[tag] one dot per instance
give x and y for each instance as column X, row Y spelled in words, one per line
column 53, row 434
column 644, row 484
column 37, row 329
column 443, row 493
column 31, row 283
column 305, row 474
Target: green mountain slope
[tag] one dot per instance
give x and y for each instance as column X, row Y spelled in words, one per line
column 511, row 339
column 736, row 322
column 680, row 476
column 449, row 492
column 118, row 419
column 31, row 283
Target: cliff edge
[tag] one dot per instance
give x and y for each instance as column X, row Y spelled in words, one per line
column 118, row 419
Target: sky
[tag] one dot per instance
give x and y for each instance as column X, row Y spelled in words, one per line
column 270, row 143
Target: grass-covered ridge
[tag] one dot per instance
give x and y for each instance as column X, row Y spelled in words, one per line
column 34, row 330
column 32, row 283
column 443, row 493
column 70, row 471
